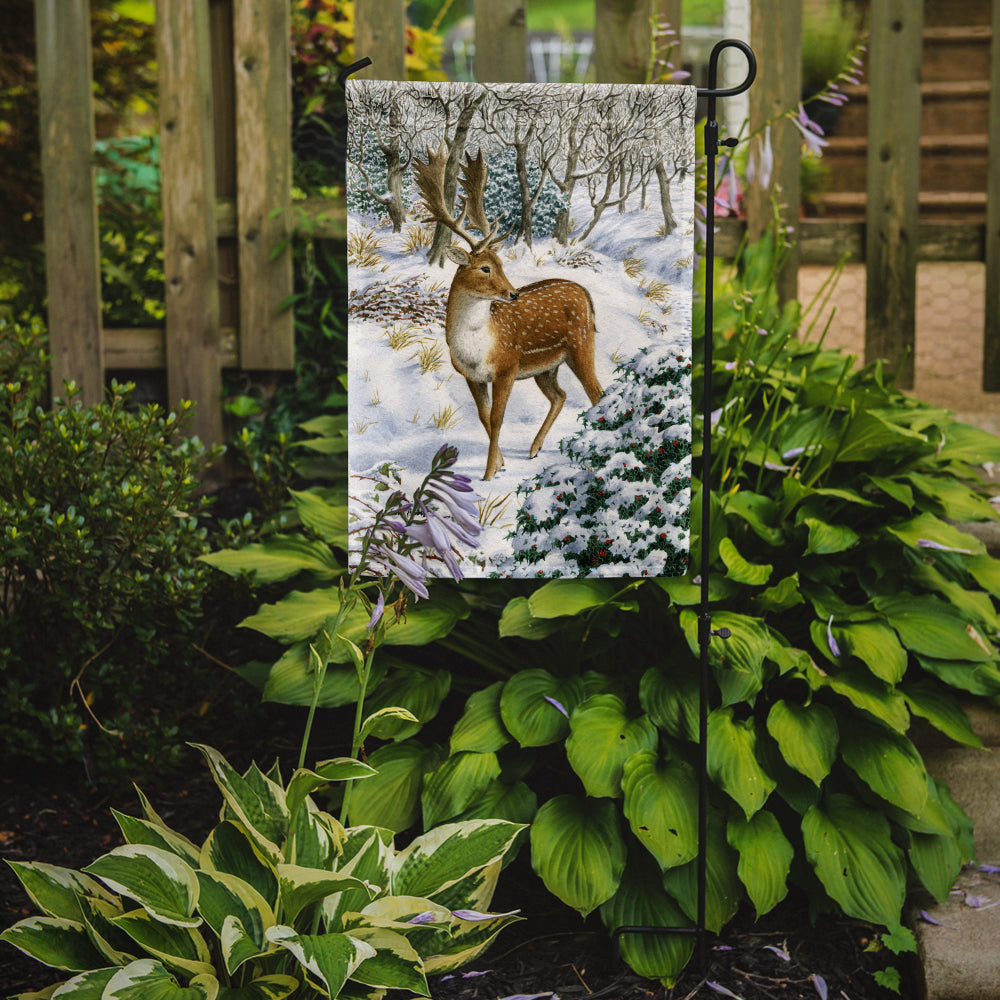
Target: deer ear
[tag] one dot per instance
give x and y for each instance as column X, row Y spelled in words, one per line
column 457, row 255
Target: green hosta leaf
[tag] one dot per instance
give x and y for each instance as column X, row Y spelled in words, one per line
column 765, row 858
column 876, row 646
column 602, row 738
column 661, row 798
column 893, row 488
column 936, row 704
column 738, row 661
column 684, row 592
column 758, row 511
column 528, row 714
column 274, row 987
column 395, row 964
column 578, row 851
column 443, row 856
column 807, row 736
column 976, row 678
column 937, row 860
column 516, row 803
column 180, row 948
column 783, row 595
column 888, row 763
column 141, row 831
column 391, row 798
column 456, row 784
column 56, row 891
column 230, row 849
column 965, row 443
column 559, row 598
column 416, row 689
column 870, row 436
column 976, row 605
column 261, row 809
column 932, row 628
column 159, row 881
column 723, row 889
column 850, row 847
column 147, row 979
column 291, row 680
column 986, row 572
column 864, row 692
column 304, row 782
column 279, row 558
column 752, row 574
column 928, row 528
column 641, row 901
column 671, row 699
column 481, row 728
column 330, row 959
column 827, row 539
column 517, row 620
column 238, row 944
column 385, row 723
column 957, row 501
column 327, row 520
column 301, row 887
column 54, row 941
column 732, row 760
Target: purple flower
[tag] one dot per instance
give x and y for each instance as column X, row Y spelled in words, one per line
column 780, row 952
column 719, row 988
column 476, row 915
column 820, row 983
column 811, row 132
column 427, row 917
column 834, row 648
column 462, row 510
column 761, row 163
column 377, row 612
column 558, row 705
column 927, row 543
column 411, row 573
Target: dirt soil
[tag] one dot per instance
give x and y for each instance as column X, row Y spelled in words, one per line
column 552, row 952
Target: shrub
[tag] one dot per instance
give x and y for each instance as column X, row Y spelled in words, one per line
column 279, row 900
column 99, row 540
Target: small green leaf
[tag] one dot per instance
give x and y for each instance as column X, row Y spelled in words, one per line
column 517, row 620
column 670, row 698
column 739, row 569
column 481, row 727
column 559, row 598
column 765, row 858
column 827, row 539
column 327, row 520
column 807, row 736
column 732, row 760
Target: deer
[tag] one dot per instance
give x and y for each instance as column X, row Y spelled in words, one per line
column 497, row 333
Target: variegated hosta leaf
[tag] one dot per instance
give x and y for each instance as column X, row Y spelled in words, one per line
column 230, row 849
column 578, row 851
column 301, row 887
column 87, row 986
column 602, row 737
column 850, row 847
column 256, row 801
column 274, row 987
column 225, row 897
column 468, row 939
column 807, row 736
column 56, row 891
column 642, row 902
column 54, row 941
column 141, row 831
column 304, row 782
column 177, row 947
column 366, row 855
column 732, row 760
column 329, row 959
column 475, row 891
column 147, row 979
column 661, row 805
column 395, row 964
column 481, row 728
column 238, row 944
column 116, row 946
column 441, row 857
column 765, row 858
column 159, row 881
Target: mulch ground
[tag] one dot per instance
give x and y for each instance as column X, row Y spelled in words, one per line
column 551, row 952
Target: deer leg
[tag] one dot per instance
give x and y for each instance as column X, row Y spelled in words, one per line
column 549, row 385
column 501, row 393
column 582, row 366
column 481, row 394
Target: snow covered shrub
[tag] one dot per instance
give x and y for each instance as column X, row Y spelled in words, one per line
column 622, row 496
column 372, row 174
column 502, row 196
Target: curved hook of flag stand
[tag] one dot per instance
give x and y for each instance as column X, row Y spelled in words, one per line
column 705, row 631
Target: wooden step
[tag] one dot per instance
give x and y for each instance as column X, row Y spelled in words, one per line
column 946, row 105
column 956, row 53
column 940, row 13
column 957, row 206
column 947, row 162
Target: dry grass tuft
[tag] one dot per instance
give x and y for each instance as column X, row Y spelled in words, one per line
column 403, row 335
column 430, row 356
column 363, row 248
column 446, row 417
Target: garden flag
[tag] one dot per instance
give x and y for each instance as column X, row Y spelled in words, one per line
column 520, row 261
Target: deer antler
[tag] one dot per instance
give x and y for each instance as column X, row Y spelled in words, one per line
column 475, row 171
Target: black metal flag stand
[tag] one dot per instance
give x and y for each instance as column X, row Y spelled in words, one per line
column 705, row 631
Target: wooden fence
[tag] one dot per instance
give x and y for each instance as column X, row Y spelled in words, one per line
column 226, row 160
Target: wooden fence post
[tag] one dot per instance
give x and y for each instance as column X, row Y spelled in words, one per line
column 893, row 183
column 72, row 255
column 190, row 251
column 991, row 333
column 622, row 40
column 501, row 41
column 380, row 34
column 776, row 35
column 262, row 61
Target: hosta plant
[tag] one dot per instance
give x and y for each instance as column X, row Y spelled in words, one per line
column 279, row 900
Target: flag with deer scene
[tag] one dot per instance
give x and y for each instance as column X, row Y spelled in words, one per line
column 520, row 266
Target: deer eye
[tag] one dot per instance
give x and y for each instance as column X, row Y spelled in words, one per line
column 485, row 269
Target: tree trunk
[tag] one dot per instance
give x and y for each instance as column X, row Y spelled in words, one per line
column 521, row 166
column 669, row 219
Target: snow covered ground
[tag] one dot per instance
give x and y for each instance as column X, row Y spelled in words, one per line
column 403, row 413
